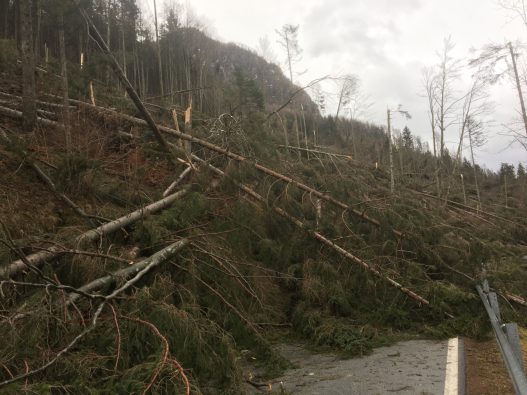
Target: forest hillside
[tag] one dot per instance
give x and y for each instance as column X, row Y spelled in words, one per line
column 171, row 209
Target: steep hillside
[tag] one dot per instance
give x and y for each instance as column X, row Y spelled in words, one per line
column 112, row 282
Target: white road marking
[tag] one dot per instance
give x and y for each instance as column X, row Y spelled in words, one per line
column 452, row 370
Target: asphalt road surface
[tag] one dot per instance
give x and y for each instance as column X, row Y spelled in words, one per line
column 410, row 367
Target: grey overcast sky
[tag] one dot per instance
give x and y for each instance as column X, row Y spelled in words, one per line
column 385, row 43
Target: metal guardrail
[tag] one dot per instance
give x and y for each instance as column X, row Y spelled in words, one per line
column 507, row 337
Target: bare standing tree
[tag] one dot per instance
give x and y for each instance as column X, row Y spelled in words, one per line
column 429, row 84
column 265, row 50
column 477, row 139
column 490, row 56
column 475, row 107
column 289, row 41
column 445, row 100
column 442, row 101
column 430, row 87
column 358, row 105
column 347, row 86
column 517, row 7
column 407, row 115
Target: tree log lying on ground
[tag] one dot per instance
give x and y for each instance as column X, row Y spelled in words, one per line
column 465, row 207
column 18, row 106
column 178, row 181
column 150, row 262
column 49, row 183
column 18, row 115
column 321, row 238
column 39, row 102
column 238, row 158
column 37, row 259
column 314, row 151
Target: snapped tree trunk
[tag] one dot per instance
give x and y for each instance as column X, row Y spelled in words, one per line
column 128, row 86
column 239, row 158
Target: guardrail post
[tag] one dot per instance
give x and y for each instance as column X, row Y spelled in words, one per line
column 510, row 356
column 511, row 330
column 493, row 300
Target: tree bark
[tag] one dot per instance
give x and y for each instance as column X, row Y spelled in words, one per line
column 518, row 87
column 305, row 129
column 36, row 45
column 65, row 93
column 158, row 47
column 29, row 107
column 129, row 88
column 240, row 158
column 323, row 239
column 151, row 262
column 474, row 168
column 39, row 258
column 392, row 180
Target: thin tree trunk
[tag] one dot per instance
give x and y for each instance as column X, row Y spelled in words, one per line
column 518, row 86
column 392, row 180
column 286, row 138
column 36, row 45
column 16, row 6
column 65, row 94
column 108, row 37
column 297, row 132
column 29, row 107
column 505, row 190
column 474, row 167
column 463, row 188
column 305, row 129
column 6, row 18
column 158, row 47
column 123, row 43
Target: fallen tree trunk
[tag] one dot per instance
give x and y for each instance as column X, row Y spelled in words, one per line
column 468, row 208
column 40, row 102
column 239, row 158
column 18, row 106
column 178, row 181
column 103, row 46
column 37, row 259
column 150, row 262
column 18, row 115
column 314, row 151
column 51, row 186
column 321, row 238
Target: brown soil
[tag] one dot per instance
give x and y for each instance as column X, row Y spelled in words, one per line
column 486, row 373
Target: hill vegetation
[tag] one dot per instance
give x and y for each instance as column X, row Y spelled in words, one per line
column 112, row 282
